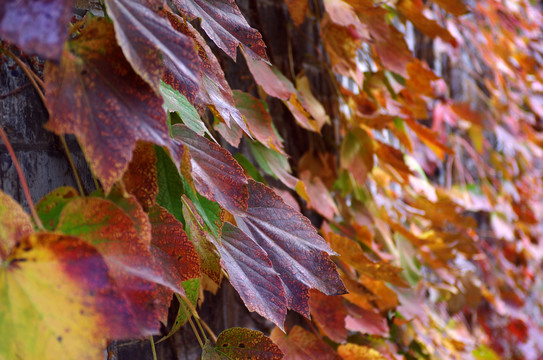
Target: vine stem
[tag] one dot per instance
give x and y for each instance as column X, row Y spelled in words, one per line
column 23, row 180
column 153, row 347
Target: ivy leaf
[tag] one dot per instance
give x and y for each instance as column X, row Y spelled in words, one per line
column 300, row 344
column 14, row 224
column 297, row 252
column 149, row 41
column 240, row 343
column 252, row 275
column 216, row 174
column 357, row 154
column 58, row 301
column 127, row 256
column 38, row 26
column 329, row 314
column 50, row 206
column 203, row 241
column 140, row 179
column 94, row 94
column 170, row 185
column 224, row 23
column 173, row 252
column 214, row 89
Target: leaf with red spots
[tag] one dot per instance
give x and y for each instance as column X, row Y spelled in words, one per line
column 224, row 23
column 297, row 252
column 104, row 225
column 173, row 252
column 217, row 175
column 36, row 26
column 14, row 224
column 59, row 301
column 329, row 314
column 140, row 179
column 252, row 275
column 214, row 89
column 203, row 240
column 149, row 43
column 300, row 344
column 94, row 94
column 240, row 343
column 50, row 206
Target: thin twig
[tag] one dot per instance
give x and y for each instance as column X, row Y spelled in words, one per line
column 24, row 185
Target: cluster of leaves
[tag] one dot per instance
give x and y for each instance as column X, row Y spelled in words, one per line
column 429, row 247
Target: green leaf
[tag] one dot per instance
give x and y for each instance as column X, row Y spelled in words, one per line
column 170, row 184
column 240, row 344
column 50, row 206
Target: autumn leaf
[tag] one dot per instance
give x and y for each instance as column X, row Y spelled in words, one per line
column 204, row 242
column 225, row 25
column 173, row 252
column 357, row 154
column 59, row 301
column 366, row 322
column 170, row 184
column 270, row 78
column 274, row 164
column 251, row 273
column 298, row 10
column 297, row 252
column 119, row 108
column 214, row 89
column 14, row 224
column 216, row 174
column 128, row 258
column 414, row 11
column 329, row 314
column 37, row 27
column 320, row 198
column 140, row 178
column 240, row 343
column 358, row 352
column 150, row 43
column 300, row 344
column 455, row 7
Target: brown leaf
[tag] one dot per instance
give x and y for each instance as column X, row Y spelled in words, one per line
column 413, row 10
column 297, row 252
column 37, row 26
column 298, row 10
column 300, row 344
column 94, row 94
column 329, row 313
column 455, row 7
column 140, row 179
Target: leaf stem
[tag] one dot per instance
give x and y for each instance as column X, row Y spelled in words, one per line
column 24, row 184
column 153, row 347
column 194, row 330
column 72, row 165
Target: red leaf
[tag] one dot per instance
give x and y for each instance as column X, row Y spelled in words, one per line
column 297, row 252
column 36, row 26
column 141, row 179
column 14, row 224
column 301, row 344
column 252, row 275
column 366, row 322
column 95, row 95
column 225, row 25
column 217, row 175
column 173, row 252
column 149, row 42
column 329, row 313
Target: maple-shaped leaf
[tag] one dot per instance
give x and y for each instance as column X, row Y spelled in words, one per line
column 297, row 252
column 37, row 26
column 252, row 275
column 94, row 94
column 329, row 314
column 217, row 175
column 149, row 43
column 224, row 23
column 239, row 343
column 358, row 352
column 204, row 242
column 214, row 89
column 50, row 206
column 300, row 344
column 14, row 224
column 140, row 178
column 106, row 226
column 59, row 301
column 173, row 252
